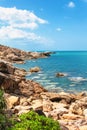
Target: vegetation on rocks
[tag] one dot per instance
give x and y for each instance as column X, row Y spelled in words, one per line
column 26, row 121
column 33, row 121
column 3, row 120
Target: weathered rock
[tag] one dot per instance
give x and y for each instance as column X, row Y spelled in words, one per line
column 59, row 74
column 24, row 95
column 64, row 127
column 47, row 106
column 11, row 100
column 78, row 106
column 34, row 69
column 6, row 68
column 84, row 127
column 20, row 72
column 57, row 113
column 37, row 104
column 63, row 98
column 34, row 55
column 76, row 109
column 12, row 81
column 85, row 113
column 47, row 53
column 70, row 116
column 16, row 56
column 21, row 109
column 59, row 105
column 7, row 83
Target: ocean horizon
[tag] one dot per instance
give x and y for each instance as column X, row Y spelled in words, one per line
column 72, row 63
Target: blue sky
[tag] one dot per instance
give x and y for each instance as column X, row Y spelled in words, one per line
column 44, row 24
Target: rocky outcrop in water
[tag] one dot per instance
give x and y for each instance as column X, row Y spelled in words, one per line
column 59, row 74
column 34, row 69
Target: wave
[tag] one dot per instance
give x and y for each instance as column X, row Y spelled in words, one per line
column 77, row 79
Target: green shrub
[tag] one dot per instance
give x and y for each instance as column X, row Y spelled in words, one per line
column 32, row 121
column 27, row 121
column 3, row 119
column 2, row 102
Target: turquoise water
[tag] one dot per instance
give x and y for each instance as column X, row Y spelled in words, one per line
column 72, row 63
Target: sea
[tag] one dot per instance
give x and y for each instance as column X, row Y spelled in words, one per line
column 72, row 63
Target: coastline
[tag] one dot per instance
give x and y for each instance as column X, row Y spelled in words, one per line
column 22, row 95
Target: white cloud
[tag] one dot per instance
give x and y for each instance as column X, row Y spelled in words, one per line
column 19, row 24
column 59, row 29
column 71, row 4
column 13, row 33
column 23, row 18
column 32, row 25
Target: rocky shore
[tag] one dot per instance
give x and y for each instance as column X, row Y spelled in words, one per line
column 14, row 55
column 23, row 95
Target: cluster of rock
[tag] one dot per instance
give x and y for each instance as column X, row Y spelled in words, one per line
column 69, row 109
column 19, row 56
column 22, row 95
column 13, row 80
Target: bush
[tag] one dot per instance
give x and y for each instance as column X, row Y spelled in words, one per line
column 26, row 121
column 2, row 102
column 32, row 121
column 3, row 119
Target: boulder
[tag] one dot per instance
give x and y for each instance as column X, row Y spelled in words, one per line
column 63, row 127
column 76, row 108
column 34, row 69
column 84, row 127
column 6, row 68
column 21, row 109
column 47, row 106
column 11, row 100
column 20, row 72
column 47, row 53
column 34, row 55
column 57, row 113
column 85, row 113
column 62, row 97
column 70, row 116
column 8, row 83
column 79, row 106
column 37, row 104
column 14, row 57
column 59, row 74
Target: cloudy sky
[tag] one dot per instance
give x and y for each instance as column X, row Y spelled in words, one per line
column 44, row 24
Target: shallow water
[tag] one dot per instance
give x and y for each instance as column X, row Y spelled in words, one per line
column 72, row 63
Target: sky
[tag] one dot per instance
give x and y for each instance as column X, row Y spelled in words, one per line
column 44, row 24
